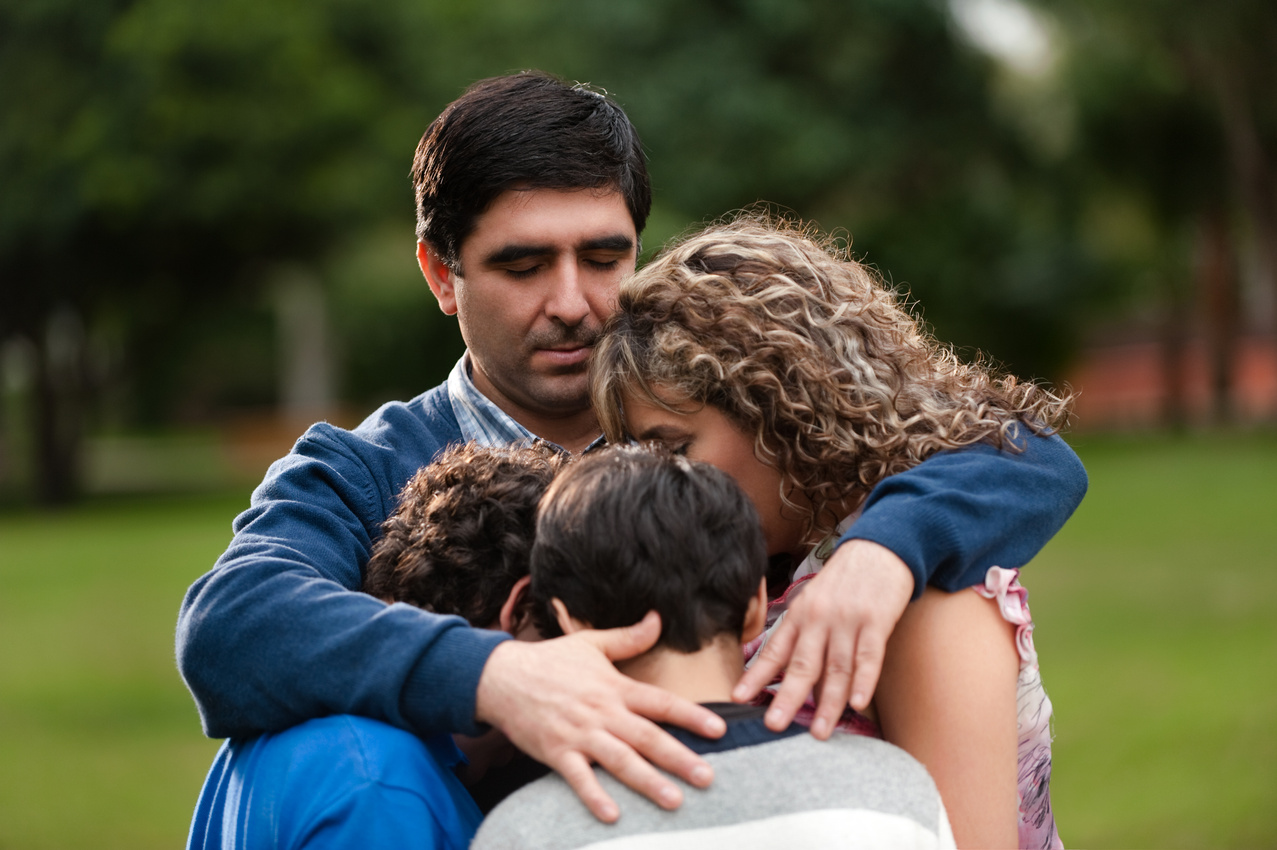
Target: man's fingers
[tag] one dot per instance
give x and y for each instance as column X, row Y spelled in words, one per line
column 662, row 706
column 627, row 641
column 576, row 770
column 629, row 768
column 870, row 649
column 771, row 660
column 833, row 635
column 662, row 749
column 804, row 669
column 835, row 685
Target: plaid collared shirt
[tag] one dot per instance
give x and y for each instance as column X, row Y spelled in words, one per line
column 484, row 422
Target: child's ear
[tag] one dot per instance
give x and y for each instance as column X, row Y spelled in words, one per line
column 568, row 623
column 507, row 620
column 755, row 614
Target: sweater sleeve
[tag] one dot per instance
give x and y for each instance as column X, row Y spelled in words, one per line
column 960, row 512
column 273, row 635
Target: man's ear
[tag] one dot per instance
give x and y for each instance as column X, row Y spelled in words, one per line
column 442, row 280
column 755, row 614
column 506, row 620
column 568, row 623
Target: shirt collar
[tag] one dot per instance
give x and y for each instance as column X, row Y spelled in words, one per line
column 481, row 421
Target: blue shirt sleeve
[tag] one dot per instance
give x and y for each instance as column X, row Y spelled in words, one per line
column 273, row 636
column 960, row 512
column 341, row 782
column 336, row 782
column 384, row 816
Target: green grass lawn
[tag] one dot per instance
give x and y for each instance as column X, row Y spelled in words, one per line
column 1157, row 630
column 100, row 744
column 1156, row 612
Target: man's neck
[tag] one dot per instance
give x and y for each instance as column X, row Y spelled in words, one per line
column 707, row 675
column 573, row 431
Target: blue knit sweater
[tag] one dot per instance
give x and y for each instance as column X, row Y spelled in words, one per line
column 272, row 635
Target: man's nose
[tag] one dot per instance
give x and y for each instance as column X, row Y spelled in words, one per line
column 566, row 300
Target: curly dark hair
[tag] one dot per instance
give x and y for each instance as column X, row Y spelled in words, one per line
column 462, row 534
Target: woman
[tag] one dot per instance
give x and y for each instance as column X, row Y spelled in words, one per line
column 780, row 360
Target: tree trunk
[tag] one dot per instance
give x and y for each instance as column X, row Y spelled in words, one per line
column 1175, row 337
column 1253, row 167
column 58, row 385
column 1221, row 303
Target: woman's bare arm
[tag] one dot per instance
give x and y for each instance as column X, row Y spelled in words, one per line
column 947, row 695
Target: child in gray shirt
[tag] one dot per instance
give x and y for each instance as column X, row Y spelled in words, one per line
column 625, row 531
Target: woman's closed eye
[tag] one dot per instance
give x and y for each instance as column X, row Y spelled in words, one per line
column 665, row 444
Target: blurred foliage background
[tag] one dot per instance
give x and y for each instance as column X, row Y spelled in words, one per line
column 206, row 217
column 206, row 242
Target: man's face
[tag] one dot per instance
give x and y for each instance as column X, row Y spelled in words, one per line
column 539, row 275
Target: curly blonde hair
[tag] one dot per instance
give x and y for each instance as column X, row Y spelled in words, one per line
column 806, row 350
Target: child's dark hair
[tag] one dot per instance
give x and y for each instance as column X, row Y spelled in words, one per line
column 629, row 529
column 462, row 534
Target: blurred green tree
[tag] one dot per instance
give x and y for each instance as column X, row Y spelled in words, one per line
column 870, row 117
column 161, row 158
column 1174, row 108
column 169, row 158
column 877, row 118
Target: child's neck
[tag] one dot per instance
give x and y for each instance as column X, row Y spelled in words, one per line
column 707, row 675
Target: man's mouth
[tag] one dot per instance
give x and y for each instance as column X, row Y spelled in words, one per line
column 566, row 355
column 566, row 349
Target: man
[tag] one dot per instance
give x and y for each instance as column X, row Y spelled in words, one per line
column 627, row 530
column 531, row 195
column 460, row 544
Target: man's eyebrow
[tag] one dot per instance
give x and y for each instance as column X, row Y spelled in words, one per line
column 617, row 242
column 514, row 253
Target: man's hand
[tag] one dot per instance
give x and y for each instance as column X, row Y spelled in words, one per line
column 833, row 637
column 562, row 702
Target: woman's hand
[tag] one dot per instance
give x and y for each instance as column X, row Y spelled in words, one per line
column 833, row 637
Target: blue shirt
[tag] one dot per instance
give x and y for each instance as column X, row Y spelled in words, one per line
column 336, row 782
column 483, row 422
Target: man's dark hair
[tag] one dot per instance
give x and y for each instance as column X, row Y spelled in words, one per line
column 462, row 534
column 522, row 131
column 630, row 529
